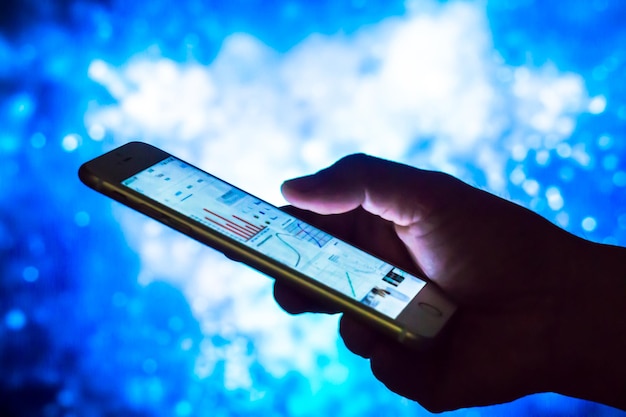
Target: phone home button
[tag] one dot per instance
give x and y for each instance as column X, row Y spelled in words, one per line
column 430, row 309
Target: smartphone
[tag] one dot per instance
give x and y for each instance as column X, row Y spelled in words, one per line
column 406, row 307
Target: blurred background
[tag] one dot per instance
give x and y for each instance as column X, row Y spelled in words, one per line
column 106, row 313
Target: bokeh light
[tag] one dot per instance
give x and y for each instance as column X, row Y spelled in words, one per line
column 105, row 312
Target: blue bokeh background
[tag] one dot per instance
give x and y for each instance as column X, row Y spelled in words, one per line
column 87, row 329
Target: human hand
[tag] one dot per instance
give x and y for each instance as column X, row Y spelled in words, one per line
column 516, row 278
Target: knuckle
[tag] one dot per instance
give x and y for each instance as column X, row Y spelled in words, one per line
column 355, row 161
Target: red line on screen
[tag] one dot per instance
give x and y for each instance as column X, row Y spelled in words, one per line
column 246, row 226
column 239, row 233
column 230, row 222
column 246, row 230
column 215, row 214
column 248, row 223
column 246, row 236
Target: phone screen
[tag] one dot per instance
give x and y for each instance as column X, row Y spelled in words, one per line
column 268, row 230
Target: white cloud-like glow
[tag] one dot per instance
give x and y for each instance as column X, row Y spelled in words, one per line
column 429, row 81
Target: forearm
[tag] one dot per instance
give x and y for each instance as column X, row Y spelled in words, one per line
column 591, row 346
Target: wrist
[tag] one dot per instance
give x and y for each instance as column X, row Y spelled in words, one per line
column 590, row 332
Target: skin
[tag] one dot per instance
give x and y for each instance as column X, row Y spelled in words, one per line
column 540, row 310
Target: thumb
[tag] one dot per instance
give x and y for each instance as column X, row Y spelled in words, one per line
column 393, row 191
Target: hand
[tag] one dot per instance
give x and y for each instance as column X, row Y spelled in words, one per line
column 518, row 281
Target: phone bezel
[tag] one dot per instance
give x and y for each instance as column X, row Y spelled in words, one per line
column 415, row 326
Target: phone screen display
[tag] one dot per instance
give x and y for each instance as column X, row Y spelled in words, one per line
column 288, row 240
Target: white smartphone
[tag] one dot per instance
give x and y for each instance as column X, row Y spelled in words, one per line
column 408, row 308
